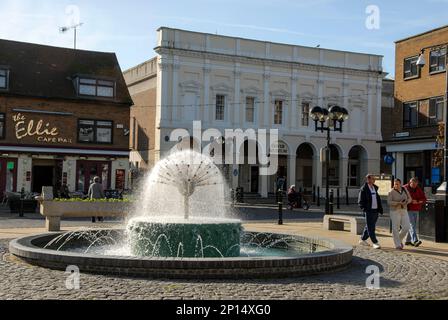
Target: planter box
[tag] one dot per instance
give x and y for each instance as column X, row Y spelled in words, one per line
column 53, row 211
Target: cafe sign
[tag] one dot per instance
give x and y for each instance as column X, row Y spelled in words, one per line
column 39, row 129
column 279, row 148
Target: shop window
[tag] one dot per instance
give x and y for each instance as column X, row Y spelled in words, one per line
column 411, row 69
column 4, row 74
column 93, row 131
column 2, row 126
column 278, row 112
column 437, row 60
column 250, row 109
column 96, row 88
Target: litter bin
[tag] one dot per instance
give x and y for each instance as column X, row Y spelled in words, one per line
column 433, row 222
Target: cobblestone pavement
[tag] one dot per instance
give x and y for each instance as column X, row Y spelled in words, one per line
column 403, row 276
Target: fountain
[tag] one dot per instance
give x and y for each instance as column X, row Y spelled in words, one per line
column 181, row 227
column 192, row 230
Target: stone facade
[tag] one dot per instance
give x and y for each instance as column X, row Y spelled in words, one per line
column 197, row 71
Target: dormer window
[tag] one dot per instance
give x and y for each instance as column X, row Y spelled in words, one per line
column 4, row 75
column 96, row 88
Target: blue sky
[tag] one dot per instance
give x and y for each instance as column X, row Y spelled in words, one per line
column 129, row 27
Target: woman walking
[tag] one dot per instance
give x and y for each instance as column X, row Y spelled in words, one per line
column 398, row 201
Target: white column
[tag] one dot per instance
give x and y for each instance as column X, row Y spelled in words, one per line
column 379, row 101
column 162, row 114
column 237, row 98
column 398, row 166
column 317, row 164
column 344, row 173
column 345, row 93
column 267, row 110
column 369, row 107
column 264, row 186
column 293, row 123
column 235, row 179
column 207, row 107
column 320, row 91
column 291, row 170
column 175, row 100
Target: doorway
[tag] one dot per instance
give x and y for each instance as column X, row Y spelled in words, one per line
column 8, row 176
column 88, row 170
column 254, row 175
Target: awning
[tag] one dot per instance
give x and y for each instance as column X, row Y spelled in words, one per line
column 91, row 152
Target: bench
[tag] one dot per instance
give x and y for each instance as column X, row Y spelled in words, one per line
column 337, row 222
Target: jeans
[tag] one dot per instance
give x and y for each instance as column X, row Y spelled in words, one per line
column 412, row 234
column 369, row 231
column 399, row 218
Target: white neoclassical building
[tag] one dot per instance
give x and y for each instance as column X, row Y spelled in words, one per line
column 230, row 82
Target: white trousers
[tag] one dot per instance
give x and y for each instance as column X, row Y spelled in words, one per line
column 399, row 218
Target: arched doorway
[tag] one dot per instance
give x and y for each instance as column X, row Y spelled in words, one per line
column 304, row 166
column 357, row 166
column 334, row 168
column 281, row 150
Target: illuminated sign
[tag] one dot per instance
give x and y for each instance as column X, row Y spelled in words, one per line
column 42, row 131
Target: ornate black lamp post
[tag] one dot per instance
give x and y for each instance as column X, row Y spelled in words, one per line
column 328, row 120
column 421, row 62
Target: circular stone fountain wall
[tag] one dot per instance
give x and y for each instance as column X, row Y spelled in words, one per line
column 193, row 238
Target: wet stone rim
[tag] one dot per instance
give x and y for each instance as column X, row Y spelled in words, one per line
column 337, row 257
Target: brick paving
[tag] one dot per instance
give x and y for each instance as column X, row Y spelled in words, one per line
column 403, row 276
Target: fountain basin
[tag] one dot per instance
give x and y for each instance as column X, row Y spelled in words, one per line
column 188, row 238
column 324, row 255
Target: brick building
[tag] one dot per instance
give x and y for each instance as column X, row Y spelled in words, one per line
column 64, row 118
column 419, row 105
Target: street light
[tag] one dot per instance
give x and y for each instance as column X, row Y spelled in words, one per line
column 421, row 62
column 328, row 120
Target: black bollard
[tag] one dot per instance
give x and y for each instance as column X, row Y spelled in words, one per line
column 331, row 209
column 280, row 208
column 314, row 193
column 299, row 200
column 338, row 201
column 318, row 196
column 22, row 196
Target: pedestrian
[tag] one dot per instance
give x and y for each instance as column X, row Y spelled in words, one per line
column 64, row 193
column 370, row 203
column 280, row 183
column 398, row 201
column 96, row 192
column 414, row 208
column 293, row 198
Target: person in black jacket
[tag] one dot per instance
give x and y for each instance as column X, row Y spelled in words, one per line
column 370, row 203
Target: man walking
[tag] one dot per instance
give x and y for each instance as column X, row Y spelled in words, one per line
column 370, row 203
column 96, row 192
column 414, row 208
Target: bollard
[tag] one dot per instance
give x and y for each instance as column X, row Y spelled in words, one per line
column 318, row 196
column 338, row 202
column 347, row 202
column 331, row 202
column 314, row 193
column 299, row 200
column 280, row 208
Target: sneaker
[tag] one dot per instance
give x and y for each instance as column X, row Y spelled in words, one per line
column 408, row 243
column 376, row 246
column 416, row 244
column 364, row 243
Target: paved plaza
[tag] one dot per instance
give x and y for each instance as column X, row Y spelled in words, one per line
column 417, row 273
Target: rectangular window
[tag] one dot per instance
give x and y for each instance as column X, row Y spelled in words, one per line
column 278, row 112
column 410, row 114
column 96, row 88
column 423, row 113
column 437, row 60
column 2, row 126
column 436, row 106
column 4, row 79
column 220, row 107
column 410, row 67
column 250, row 109
column 91, row 131
column 305, row 114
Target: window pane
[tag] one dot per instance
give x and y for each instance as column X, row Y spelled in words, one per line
column 86, row 133
column 250, row 109
column 437, row 60
column 2, row 129
column 106, row 83
column 87, row 90
column 410, row 67
column 104, row 123
column 410, row 114
column 2, row 72
column 278, row 112
column 88, row 81
column 105, row 91
column 87, row 122
column 220, row 105
column 423, row 113
column 305, row 114
column 104, row 135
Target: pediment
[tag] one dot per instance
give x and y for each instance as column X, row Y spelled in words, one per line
column 222, row 87
column 190, row 84
column 251, row 91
